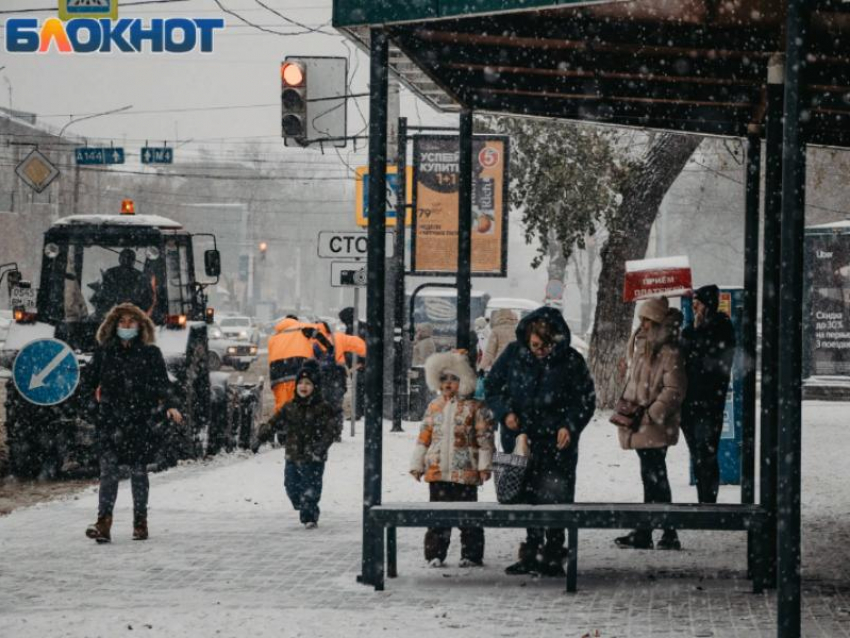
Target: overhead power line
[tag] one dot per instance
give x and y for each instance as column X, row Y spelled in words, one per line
column 245, row 20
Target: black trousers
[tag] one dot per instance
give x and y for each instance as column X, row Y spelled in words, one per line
column 551, row 481
column 437, row 539
column 702, row 433
column 653, row 473
column 109, row 476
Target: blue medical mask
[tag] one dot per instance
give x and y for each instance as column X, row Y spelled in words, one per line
column 126, row 334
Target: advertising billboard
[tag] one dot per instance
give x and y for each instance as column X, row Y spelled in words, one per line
column 435, row 224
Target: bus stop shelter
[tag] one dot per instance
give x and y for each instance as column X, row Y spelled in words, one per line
column 775, row 73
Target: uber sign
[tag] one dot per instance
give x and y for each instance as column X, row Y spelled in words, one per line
column 348, row 245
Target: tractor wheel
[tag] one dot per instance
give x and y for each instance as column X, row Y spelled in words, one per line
column 196, row 424
column 26, row 456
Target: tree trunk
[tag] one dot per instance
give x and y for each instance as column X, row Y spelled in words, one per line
column 557, row 266
column 629, row 232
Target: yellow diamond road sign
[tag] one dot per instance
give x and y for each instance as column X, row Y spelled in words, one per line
column 37, row 171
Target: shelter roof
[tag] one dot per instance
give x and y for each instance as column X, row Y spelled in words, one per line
column 696, row 66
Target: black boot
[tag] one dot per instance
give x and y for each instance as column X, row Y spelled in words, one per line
column 670, row 540
column 528, row 562
column 553, row 560
column 639, row 539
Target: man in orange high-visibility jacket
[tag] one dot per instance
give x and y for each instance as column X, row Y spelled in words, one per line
column 348, row 345
column 289, row 348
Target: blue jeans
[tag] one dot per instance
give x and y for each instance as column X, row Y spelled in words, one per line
column 303, row 485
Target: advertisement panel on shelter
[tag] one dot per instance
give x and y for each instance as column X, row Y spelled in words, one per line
column 826, row 323
column 435, row 235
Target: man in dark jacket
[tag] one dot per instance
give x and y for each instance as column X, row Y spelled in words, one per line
column 709, row 348
column 540, row 386
column 124, row 284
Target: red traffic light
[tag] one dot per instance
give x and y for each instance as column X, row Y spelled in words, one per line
column 292, row 74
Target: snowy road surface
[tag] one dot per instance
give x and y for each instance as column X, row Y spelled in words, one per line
column 227, row 557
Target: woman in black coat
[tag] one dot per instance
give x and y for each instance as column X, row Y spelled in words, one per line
column 540, row 386
column 128, row 386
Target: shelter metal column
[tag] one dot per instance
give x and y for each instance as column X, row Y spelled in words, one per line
column 399, row 371
column 790, row 326
column 770, row 313
column 372, row 553
column 464, row 232
column 749, row 331
column 751, row 284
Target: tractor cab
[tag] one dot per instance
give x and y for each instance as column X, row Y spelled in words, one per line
column 94, row 262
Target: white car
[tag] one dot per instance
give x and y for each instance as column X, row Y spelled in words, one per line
column 240, row 329
column 228, row 352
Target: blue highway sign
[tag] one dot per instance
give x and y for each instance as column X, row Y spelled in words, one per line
column 113, row 155
column 88, row 156
column 46, row 372
column 93, row 155
column 151, row 155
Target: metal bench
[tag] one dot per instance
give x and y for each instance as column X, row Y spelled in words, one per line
column 389, row 516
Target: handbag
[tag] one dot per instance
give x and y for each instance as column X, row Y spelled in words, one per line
column 509, row 473
column 628, row 414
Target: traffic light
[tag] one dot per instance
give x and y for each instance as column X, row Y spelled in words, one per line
column 263, row 248
column 293, row 97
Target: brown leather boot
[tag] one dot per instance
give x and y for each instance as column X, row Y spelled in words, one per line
column 100, row 531
column 140, row 528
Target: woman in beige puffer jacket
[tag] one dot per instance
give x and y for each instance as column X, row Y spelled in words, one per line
column 656, row 381
column 503, row 323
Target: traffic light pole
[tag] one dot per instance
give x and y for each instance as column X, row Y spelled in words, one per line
column 399, row 372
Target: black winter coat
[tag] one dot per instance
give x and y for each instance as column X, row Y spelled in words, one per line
column 308, row 428
column 709, row 351
column 546, row 394
column 134, row 394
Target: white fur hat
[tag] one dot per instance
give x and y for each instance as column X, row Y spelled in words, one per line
column 453, row 363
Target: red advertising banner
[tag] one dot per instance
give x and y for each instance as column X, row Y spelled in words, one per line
column 669, row 276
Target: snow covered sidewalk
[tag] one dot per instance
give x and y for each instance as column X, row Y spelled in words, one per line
column 227, row 557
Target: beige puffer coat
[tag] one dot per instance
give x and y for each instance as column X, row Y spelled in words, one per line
column 503, row 325
column 657, row 381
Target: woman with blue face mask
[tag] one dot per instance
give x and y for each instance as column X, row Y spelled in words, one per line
column 129, row 393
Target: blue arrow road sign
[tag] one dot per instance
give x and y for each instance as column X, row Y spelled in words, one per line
column 46, row 372
column 152, row 155
column 92, row 155
column 113, row 155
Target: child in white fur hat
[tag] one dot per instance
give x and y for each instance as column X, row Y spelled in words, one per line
column 453, row 452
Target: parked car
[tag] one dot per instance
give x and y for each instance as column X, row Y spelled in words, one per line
column 240, row 329
column 229, row 352
column 5, row 322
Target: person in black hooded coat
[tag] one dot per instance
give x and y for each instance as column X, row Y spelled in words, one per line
column 540, row 386
column 129, row 395
column 709, row 349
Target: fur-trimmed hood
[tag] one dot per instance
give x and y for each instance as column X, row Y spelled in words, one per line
column 109, row 327
column 454, row 363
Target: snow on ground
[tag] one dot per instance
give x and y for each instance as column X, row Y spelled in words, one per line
column 227, row 557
